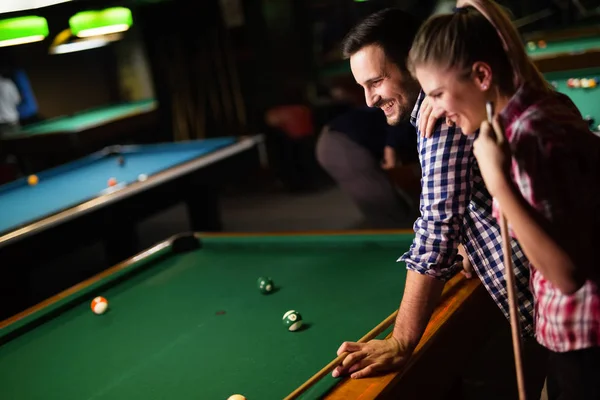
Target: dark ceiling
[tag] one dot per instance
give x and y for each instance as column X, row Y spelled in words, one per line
column 79, row 5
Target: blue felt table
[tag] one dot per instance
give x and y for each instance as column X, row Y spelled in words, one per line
column 85, row 179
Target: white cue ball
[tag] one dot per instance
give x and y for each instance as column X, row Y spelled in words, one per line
column 236, row 397
column 142, row 177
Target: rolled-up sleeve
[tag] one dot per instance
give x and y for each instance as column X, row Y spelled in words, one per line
column 446, row 163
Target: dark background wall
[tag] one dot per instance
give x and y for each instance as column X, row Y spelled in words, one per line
column 211, row 79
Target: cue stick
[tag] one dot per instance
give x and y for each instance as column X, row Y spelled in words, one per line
column 331, row 366
column 510, row 284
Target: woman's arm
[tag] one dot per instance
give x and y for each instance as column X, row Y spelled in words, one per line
column 539, row 244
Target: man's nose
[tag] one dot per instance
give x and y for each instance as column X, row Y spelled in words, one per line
column 371, row 98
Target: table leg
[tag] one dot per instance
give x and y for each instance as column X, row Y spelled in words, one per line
column 203, row 208
column 14, row 287
column 120, row 241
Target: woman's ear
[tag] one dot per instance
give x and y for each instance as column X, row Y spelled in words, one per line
column 482, row 75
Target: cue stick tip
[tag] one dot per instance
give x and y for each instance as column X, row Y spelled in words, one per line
column 489, row 108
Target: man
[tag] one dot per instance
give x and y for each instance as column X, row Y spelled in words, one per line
column 455, row 205
column 9, row 102
column 357, row 149
column 9, row 123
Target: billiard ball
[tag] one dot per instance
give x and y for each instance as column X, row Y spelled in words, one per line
column 590, row 121
column 592, row 82
column 236, row 397
column 121, row 160
column 99, row 305
column 292, row 320
column 531, row 45
column 584, row 82
column 112, row 182
column 265, row 285
column 542, row 44
column 32, row 180
column 142, row 177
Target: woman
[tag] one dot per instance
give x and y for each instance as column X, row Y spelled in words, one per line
column 542, row 165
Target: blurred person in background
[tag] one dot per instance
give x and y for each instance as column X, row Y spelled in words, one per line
column 10, row 99
column 359, row 149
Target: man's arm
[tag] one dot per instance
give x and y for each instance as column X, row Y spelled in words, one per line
column 446, row 162
column 421, row 295
column 434, row 257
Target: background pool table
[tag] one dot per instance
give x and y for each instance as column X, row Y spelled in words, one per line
column 72, row 205
column 568, row 49
column 587, row 100
column 54, row 141
column 186, row 321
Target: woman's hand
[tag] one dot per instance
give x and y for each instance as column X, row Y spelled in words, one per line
column 466, row 263
column 428, row 117
column 493, row 156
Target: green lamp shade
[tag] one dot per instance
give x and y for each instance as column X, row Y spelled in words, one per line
column 93, row 23
column 22, row 30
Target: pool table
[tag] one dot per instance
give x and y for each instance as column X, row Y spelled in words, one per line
column 587, row 100
column 569, row 49
column 57, row 140
column 72, row 205
column 186, row 321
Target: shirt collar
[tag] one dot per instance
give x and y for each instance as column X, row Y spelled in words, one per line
column 525, row 96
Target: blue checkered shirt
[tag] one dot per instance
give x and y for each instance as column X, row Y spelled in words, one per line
column 457, row 208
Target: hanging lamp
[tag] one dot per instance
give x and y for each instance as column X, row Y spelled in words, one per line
column 102, row 22
column 21, row 30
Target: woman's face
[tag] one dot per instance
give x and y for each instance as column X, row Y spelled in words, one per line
column 462, row 99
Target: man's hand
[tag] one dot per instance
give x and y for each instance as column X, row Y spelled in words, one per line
column 466, row 264
column 421, row 294
column 365, row 359
column 389, row 158
column 428, row 117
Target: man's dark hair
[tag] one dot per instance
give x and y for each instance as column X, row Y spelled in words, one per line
column 392, row 29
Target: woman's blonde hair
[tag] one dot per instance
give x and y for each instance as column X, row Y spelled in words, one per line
column 479, row 30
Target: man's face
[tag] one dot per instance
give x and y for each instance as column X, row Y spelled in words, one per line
column 384, row 84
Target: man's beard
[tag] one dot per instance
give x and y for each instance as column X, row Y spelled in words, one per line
column 404, row 109
column 402, row 115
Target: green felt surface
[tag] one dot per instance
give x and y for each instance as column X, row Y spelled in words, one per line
column 164, row 338
column 88, row 119
column 574, row 46
column 587, row 100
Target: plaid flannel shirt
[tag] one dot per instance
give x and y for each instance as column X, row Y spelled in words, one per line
column 457, row 208
column 556, row 167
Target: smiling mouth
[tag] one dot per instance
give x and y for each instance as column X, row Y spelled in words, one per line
column 388, row 107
